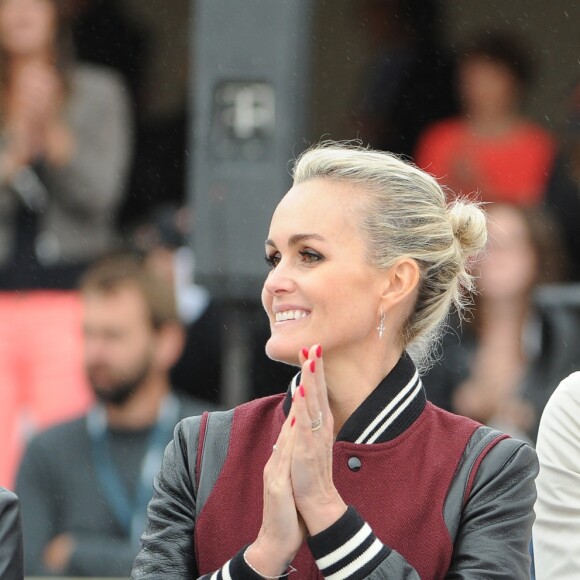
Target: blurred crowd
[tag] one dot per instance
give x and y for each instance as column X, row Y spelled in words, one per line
column 105, row 338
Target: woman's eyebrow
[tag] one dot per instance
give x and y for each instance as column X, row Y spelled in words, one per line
column 297, row 238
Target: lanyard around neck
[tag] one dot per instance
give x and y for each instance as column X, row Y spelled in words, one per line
column 130, row 514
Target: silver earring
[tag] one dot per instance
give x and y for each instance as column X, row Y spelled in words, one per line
column 381, row 326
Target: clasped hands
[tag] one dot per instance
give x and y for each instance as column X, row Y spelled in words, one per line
column 300, row 498
column 34, row 123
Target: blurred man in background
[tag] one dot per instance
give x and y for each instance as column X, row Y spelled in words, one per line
column 84, row 485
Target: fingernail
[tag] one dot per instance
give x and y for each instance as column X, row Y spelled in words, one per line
column 301, row 389
column 293, row 396
column 319, row 351
column 293, row 421
column 312, row 366
column 305, row 352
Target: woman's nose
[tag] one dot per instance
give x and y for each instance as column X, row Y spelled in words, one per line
column 279, row 280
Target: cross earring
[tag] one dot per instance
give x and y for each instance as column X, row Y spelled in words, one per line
column 381, row 326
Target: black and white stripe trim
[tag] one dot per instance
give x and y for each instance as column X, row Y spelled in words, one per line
column 223, row 573
column 348, row 549
column 392, row 411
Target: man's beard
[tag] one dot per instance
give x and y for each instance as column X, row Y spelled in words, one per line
column 118, row 393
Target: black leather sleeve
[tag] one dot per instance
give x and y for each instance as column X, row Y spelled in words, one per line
column 495, row 528
column 493, row 531
column 11, row 553
column 167, row 546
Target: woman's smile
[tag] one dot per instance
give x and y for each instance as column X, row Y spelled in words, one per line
column 291, row 315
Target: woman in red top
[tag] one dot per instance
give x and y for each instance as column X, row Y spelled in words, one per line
column 492, row 149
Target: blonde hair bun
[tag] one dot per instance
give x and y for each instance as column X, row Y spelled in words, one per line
column 469, row 225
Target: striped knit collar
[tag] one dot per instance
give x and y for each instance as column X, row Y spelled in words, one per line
column 390, row 409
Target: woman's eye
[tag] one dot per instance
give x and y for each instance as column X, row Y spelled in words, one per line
column 272, row 260
column 310, row 256
column 306, row 257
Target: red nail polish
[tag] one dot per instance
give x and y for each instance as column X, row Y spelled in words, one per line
column 293, row 421
column 305, row 352
column 312, row 366
column 301, row 389
column 319, row 351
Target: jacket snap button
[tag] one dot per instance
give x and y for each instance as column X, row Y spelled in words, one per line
column 354, row 463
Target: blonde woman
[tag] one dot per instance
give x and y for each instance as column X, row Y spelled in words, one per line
column 351, row 473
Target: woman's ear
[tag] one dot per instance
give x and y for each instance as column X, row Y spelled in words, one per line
column 402, row 282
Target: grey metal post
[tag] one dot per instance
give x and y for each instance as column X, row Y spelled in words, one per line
column 249, row 95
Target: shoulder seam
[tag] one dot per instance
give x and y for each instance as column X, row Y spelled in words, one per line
column 495, row 438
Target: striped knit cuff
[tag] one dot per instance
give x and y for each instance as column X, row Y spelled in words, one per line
column 347, row 549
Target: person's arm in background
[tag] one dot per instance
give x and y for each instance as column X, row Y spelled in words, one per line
column 556, row 534
column 16, row 142
column 89, row 151
column 39, row 509
column 34, row 96
column 90, row 555
column 11, row 558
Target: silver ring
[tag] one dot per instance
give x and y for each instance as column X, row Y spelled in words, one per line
column 317, row 423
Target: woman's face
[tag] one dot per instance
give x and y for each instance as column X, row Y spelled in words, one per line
column 487, row 87
column 510, row 267
column 321, row 288
column 27, row 27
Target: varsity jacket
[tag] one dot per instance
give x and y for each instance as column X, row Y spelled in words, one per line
column 430, row 494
